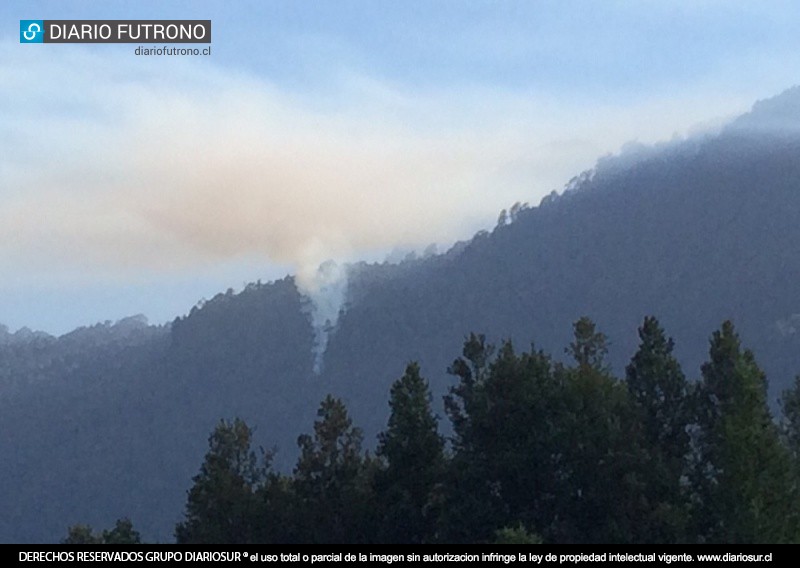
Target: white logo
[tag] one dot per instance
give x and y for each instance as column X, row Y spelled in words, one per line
column 33, row 30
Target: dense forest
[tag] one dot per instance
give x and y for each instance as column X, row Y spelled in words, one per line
column 110, row 420
column 540, row 451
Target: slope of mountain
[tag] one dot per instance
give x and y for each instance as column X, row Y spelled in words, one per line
column 111, row 421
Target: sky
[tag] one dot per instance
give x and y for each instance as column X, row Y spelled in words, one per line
column 332, row 130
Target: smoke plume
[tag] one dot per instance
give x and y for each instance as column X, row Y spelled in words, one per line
column 326, row 289
column 178, row 167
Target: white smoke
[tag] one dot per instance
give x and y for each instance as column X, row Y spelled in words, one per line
column 326, row 289
column 174, row 170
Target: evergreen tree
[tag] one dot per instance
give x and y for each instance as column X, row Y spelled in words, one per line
column 221, row 506
column 550, row 447
column 589, row 347
column 279, row 520
column 122, row 533
column 504, row 467
column 82, row 534
column 790, row 428
column 517, row 436
column 461, row 401
column 659, row 391
column 516, row 535
column 540, row 451
column 472, row 510
column 599, row 461
column 413, row 454
column 331, row 479
column 745, row 487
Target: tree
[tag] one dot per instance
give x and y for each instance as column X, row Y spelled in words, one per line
column 514, row 435
column 516, row 535
column 659, row 391
column 504, row 411
column 122, row 533
column 471, row 511
column 471, row 371
column 221, row 506
column 745, row 487
column 590, row 347
column 412, row 451
column 331, row 479
column 550, row 447
column 82, row 534
column 790, row 427
column 599, row 462
column 279, row 520
column 502, row 219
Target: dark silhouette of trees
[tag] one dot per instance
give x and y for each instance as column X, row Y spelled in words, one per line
column 743, row 477
column 408, row 480
column 331, row 479
column 660, row 394
column 541, row 451
column 221, row 507
column 122, row 533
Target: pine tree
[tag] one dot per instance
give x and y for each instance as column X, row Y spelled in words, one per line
column 505, row 412
column 279, row 519
column 413, row 455
column 516, row 535
column 122, row 533
column 599, row 462
column 659, row 390
column 221, row 506
column 790, row 430
column 472, row 510
column 745, row 488
column 331, row 479
column 82, row 534
column 590, row 347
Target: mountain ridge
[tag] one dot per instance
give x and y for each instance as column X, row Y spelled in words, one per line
column 694, row 232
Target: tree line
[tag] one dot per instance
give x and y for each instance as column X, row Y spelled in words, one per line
column 540, row 451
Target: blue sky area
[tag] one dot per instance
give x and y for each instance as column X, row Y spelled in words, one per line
column 315, row 130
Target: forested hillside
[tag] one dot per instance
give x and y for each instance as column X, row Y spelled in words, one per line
column 110, row 421
column 541, row 451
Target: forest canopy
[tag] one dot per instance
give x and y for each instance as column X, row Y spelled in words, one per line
column 539, row 451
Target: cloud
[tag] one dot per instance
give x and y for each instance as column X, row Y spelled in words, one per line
column 122, row 164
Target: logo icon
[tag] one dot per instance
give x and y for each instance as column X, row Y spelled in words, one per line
column 31, row 31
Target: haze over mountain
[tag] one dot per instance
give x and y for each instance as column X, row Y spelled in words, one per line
column 111, row 420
